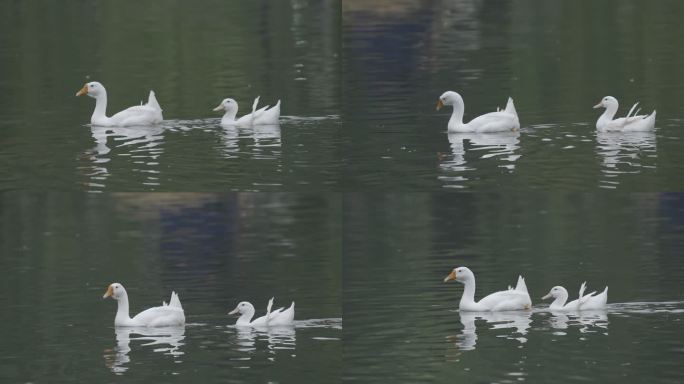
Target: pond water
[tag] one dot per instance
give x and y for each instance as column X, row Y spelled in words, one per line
column 193, row 55
column 401, row 319
column 61, row 251
column 556, row 60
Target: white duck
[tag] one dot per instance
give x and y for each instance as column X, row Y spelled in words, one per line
column 278, row 317
column 499, row 121
column 583, row 302
column 147, row 114
column 262, row 116
column 170, row 314
column 512, row 299
column 631, row 123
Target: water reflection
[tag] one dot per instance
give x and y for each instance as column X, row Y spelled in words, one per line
column 587, row 321
column 142, row 144
column 517, row 321
column 167, row 341
column 624, row 152
column 502, row 145
column 276, row 338
column 265, row 141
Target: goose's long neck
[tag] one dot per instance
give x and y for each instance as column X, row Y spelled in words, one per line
column 100, row 112
column 560, row 300
column 229, row 116
column 245, row 318
column 122, row 314
column 468, row 292
column 457, row 113
column 609, row 113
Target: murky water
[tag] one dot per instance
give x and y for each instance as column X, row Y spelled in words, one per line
column 60, row 252
column 401, row 319
column 556, row 60
column 193, row 56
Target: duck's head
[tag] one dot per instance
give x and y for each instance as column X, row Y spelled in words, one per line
column 242, row 308
column 606, row 102
column 555, row 292
column 115, row 291
column 92, row 89
column 227, row 105
column 460, row 274
column 449, row 98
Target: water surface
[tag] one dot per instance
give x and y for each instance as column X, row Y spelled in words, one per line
column 193, row 55
column 556, row 60
column 60, row 251
column 402, row 322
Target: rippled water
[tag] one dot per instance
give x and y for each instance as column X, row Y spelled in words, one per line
column 60, row 251
column 402, row 322
column 193, row 56
column 556, row 60
column 154, row 158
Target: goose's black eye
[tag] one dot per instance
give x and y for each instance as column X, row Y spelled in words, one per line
column 91, row 85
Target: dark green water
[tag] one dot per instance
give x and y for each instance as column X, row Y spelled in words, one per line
column 401, row 322
column 223, row 215
column 193, row 54
column 555, row 58
column 61, row 251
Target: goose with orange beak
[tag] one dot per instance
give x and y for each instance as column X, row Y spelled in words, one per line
column 513, row 299
column 499, row 121
column 170, row 314
column 139, row 115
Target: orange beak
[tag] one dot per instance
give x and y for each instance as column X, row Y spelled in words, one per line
column 83, row 90
column 452, row 276
column 108, row 293
column 439, row 104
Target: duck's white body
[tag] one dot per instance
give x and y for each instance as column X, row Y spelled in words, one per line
column 140, row 115
column 512, row 299
column 590, row 301
column 278, row 317
column 499, row 121
column 167, row 315
column 262, row 116
column 631, row 123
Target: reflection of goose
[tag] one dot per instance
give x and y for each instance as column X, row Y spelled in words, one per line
column 280, row 337
column 147, row 114
column 264, row 136
column 518, row 322
column 617, row 147
column 593, row 319
column 171, row 336
column 493, row 144
column 147, row 137
column 586, row 320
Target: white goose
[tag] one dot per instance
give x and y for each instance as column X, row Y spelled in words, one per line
column 583, row 302
column 631, row 123
column 147, row 114
column 262, row 116
column 499, row 121
column 170, row 314
column 512, row 299
column 278, row 317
